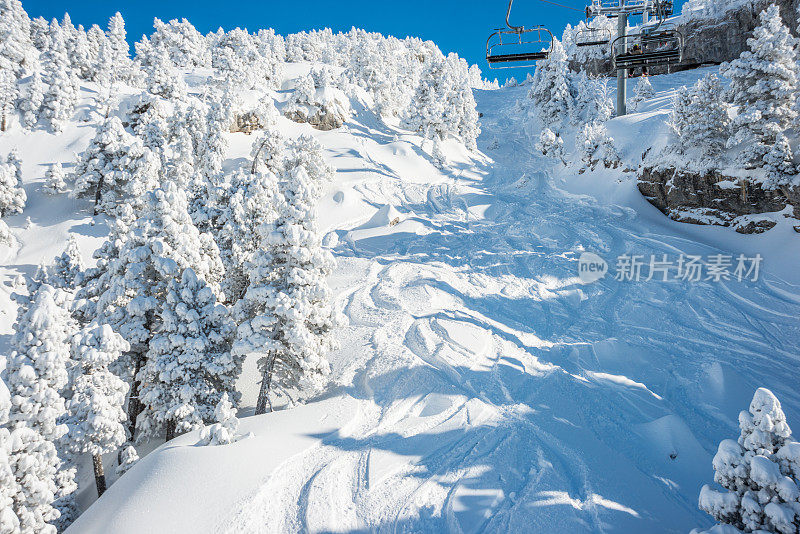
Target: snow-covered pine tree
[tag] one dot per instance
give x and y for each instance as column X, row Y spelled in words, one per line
column 596, row 146
column 550, row 97
column 61, row 95
column 189, row 364
column 37, row 373
column 67, row 267
column 16, row 46
column 117, row 39
column 763, row 87
column 551, row 145
column 12, row 195
column 54, row 182
column 250, row 202
column 286, row 315
column 643, row 91
column 126, row 458
column 8, row 94
column 9, row 523
column 116, row 167
column 160, row 243
column 31, row 103
column 96, row 416
column 760, row 472
column 699, row 120
column 224, row 430
column 7, row 239
column 162, row 80
column 212, row 148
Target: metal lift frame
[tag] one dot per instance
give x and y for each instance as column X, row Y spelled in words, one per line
column 522, row 36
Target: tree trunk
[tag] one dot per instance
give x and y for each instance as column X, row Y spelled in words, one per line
column 134, row 405
column 99, row 474
column 263, row 393
column 98, row 193
column 170, row 430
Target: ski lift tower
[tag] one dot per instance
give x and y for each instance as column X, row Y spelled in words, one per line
column 621, row 9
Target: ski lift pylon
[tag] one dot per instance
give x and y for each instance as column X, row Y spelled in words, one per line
column 511, row 47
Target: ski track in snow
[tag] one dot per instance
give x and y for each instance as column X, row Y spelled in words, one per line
column 496, row 393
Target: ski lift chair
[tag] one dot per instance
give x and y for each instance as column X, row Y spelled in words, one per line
column 593, row 37
column 517, row 46
column 659, row 46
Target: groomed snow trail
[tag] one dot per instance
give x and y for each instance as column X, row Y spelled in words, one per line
column 498, row 394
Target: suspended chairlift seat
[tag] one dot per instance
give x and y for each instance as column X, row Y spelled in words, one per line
column 593, row 37
column 517, row 46
column 660, row 47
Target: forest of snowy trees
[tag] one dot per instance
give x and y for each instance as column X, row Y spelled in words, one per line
column 204, row 265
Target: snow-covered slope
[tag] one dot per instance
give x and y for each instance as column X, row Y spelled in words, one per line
column 480, row 385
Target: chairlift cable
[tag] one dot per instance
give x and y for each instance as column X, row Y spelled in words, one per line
column 562, row 5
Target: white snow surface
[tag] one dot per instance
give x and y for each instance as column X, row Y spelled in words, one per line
column 480, row 386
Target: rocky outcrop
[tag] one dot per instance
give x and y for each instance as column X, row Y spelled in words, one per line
column 713, row 198
column 321, row 119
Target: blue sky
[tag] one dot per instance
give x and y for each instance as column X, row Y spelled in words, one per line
column 460, row 26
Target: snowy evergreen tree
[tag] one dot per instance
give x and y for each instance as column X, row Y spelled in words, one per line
column 551, row 145
column 7, row 239
column 764, row 84
column 37, row 373
column 550, row 96
column 700, row 119
column 596, row 146
column 61, row 96
column 186, row 47
column 643, row 91
column 31, row 103
column 189, row 363
column 286, row 316
column 760, row 472
column 160, row 243
column 212, row 148
column 117, row 38
column 68, row 266
column 12, row 195
column 8, row 95
column 162, row 79
column 116, row 167
column 54, row 182
column 9, row 522
column 16, row 46
column 126, row 459
column 95, row 410
column 224, row 430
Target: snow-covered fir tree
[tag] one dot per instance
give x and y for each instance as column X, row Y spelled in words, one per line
column 37, row 374
column 16, row 46
column 116, row 167
column 12, row 195
column 31, row 103
column 760, row 472
column 550, row 97
column 162, row 79
column 67, row 267
column 551, row 145
column 189, row 363
column 96, row 416
column 54, row 180
column 286, row 316
column 159, row 244
column 763, row 87
column 7, row 238
column 596, row 146
column 126, row 458
column 117, row 39
column 212, row 147
column 224, row 430
column 643, row 91
column 61, row 95
column 8, row 95
column 185, row 45
column 9, row 522
column 699, row 120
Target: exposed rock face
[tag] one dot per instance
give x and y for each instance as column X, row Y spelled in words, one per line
column 246, row 123
column 710, row 40
column 713, row 198
column 321, row 120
